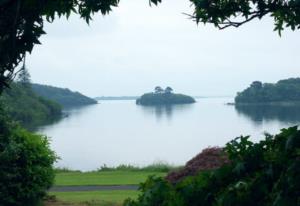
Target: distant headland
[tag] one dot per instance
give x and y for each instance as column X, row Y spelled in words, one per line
column 284, row 92
column 164, row 97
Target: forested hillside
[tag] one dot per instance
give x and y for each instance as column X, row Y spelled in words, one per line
column 287, row 90
column 26, row 107
column 65, row 97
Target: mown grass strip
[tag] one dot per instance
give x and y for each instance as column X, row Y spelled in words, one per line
column 103, row 178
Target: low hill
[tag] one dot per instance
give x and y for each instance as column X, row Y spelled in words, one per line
column 65, row 97
column 26, row 107
column 284, row 91
column 164, row 97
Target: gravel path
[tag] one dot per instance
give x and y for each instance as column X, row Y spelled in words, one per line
column 93, row 188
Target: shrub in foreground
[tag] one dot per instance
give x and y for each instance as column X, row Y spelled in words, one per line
column 264, row 173
column 210, row 158
column 26, row 161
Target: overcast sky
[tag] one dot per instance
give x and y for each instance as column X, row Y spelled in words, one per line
column 138, row 47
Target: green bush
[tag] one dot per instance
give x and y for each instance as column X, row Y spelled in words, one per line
column 264, row 173
column 26, row 162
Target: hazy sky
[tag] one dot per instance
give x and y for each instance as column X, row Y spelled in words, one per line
column 138, row 47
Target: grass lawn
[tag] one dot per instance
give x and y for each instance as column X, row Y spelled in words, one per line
column 95, row 198
column 103, row 178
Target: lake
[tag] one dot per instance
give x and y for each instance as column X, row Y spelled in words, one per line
column 121, row 132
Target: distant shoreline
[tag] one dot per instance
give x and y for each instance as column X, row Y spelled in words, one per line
column 106, row 98
column 279, row 103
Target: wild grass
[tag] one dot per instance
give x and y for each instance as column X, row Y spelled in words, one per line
column 155, row 167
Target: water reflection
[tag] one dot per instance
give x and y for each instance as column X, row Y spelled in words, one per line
column 121, row 132
column 34, row 127
column 260, row 113
column 161, row 111
column 67, row 115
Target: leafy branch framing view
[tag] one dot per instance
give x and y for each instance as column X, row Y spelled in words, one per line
column 22, row 21
column 264, row 173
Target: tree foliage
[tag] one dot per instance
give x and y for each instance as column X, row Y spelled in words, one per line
column 22, row 21
column 168, row 90
column 287, row 90
column 234, row 13
column 26, row 161
column 63, row 96
column 263, row 174
column 165, row 98
column 26, row 107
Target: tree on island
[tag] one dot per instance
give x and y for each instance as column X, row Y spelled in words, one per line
column 168, row 90
column 164, row 97
column 256, row 85
column 158, row 90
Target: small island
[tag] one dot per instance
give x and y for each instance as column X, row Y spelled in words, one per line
column 164, row 97
column 284, row 92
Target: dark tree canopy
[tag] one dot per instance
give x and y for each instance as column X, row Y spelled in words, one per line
column 158, row 89
column 284, row 91
column 234, row 13
column 168, row 90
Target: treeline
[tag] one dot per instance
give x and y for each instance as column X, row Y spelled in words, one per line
column 65, row 97
column 22, row 104
column 287, row 90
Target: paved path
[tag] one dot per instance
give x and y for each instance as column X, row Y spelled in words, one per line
column 93, row 188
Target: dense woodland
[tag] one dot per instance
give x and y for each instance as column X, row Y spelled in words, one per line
column 22, row 104
column 65, row 97
column 33, row 105
column 284, row 91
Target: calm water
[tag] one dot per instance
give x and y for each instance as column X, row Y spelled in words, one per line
column 120, row 132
